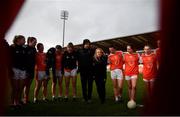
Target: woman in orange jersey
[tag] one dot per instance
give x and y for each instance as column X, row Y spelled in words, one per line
column 58, row 74
column 131, row 60
column 115, row 60
column 149, row 61
column 41, row 77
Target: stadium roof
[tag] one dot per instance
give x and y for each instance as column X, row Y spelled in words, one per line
column 120, row 43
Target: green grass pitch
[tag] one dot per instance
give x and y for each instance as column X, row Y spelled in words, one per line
column 81, row 108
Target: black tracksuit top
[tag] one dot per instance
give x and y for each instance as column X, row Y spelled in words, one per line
column 85, row 59
column 69, row 60
column 99, row 67
column 31, row 55
column 19, row 57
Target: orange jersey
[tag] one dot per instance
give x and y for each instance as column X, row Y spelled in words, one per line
column 41, row 61
column 58, row 61
column 116, row 60
column 149, row 66
column 131, row 64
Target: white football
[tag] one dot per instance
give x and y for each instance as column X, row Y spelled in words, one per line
column 131, row 104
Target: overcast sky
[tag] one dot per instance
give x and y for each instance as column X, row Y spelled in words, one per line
column 92, row 19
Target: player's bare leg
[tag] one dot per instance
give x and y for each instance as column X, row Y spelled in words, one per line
column 115, row 89
column 36, row 90
column 54, row 82
column 74, row 80
column 60, row 80
column 120, row 88
column 67, row 82
column 133, row 91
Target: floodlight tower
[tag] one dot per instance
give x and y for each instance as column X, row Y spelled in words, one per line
column 64, row 16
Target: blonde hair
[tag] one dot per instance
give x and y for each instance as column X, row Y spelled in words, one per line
column 95, row 54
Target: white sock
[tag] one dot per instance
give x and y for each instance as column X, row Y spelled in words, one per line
column 116, row 98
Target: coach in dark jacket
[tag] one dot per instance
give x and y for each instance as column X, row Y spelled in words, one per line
column 99, row 72
column 85, row 66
